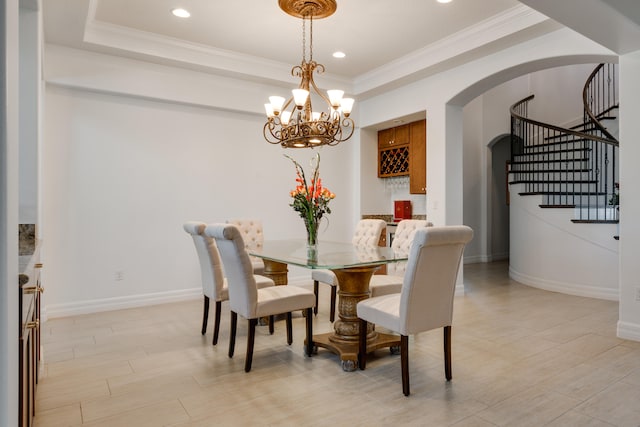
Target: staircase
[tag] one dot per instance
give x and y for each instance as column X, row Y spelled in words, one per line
column 572, row 168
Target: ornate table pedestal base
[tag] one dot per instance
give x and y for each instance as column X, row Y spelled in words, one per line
column 276, row 271
column 354, row 287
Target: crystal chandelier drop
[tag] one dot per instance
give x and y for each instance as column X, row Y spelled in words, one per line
column 293, row 123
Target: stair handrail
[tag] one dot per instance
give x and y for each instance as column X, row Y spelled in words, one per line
column 514, row 107
column 588, row 107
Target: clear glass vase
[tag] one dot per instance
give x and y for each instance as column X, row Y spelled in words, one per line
column 312, row 240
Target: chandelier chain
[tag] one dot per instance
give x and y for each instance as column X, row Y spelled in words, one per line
column 304, row 39
column 311, row 38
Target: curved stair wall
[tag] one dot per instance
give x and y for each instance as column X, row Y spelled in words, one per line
column 549, row 251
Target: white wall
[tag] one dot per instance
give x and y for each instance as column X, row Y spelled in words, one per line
column 121, row 174
column 29, row 109
column 9, row 324
column 548, row 84
column 550, row 252
column 629, row 324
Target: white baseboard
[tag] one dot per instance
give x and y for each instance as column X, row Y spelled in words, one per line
column 564, row 288
column 628, row 331
column 475, row 259
column 117, row 303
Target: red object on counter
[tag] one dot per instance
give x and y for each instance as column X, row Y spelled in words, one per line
column 402, row 210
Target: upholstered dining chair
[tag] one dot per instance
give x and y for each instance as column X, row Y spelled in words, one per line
column 391, row 283
column 214, row 285
column 246, row 300
column 367, row 233
column 252, row 234
column 426, row 299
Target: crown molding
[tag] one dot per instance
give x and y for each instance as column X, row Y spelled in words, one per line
column 181, row 53
column 178, row 52
column 497, row 27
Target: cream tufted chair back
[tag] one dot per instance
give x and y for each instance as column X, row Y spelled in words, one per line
column 368, row 232
column 251, row 230
column 402, row 240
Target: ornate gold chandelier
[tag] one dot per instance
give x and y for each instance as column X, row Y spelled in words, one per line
column 294, row 123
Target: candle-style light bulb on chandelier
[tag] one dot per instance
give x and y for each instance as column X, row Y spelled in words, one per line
column 293, row 123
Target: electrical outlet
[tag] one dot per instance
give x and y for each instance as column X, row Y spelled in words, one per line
column 119, row 275
column 638, row 294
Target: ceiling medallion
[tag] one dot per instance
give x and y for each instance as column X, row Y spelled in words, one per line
column 293, row 123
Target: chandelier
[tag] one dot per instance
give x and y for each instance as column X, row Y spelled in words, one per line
column 294, row 123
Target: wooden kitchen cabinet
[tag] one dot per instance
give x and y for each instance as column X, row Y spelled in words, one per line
column 402, row 151
column 418, row 157
column 29, row 340
column 393, row 137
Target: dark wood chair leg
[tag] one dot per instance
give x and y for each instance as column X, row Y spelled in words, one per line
column 332, row 314
column 216, row 324
column 250, row 339
column 362, row 345
column 272, row 323
column 289, row 329
column 315, row 291
column 205, row 315
column 232, row 333
column 447, row 352
column 309, row 332
column 404, row 356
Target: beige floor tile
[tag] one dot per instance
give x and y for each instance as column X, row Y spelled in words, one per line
column 473, row 421
column 617, row 405
column 582, row 382
column 58, row 394
column 139, row 394
column 63, row 416
column 161, row 414
column 575, row 419
column 521, row 357
column 533, row 407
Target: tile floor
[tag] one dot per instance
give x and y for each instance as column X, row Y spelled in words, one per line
column 521, row 357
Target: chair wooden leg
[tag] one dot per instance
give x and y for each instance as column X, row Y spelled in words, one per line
column 447, row 352
column 332, row 314
column 362, row 345
column 404, row 356
column 272, row 323
column 315, row 291
column 205, row 315
column 250, row 339
column 216, row 324
column 289, row 329
column 309, row 324
column 232, row 333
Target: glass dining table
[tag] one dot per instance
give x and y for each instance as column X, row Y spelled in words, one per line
column 353, row 266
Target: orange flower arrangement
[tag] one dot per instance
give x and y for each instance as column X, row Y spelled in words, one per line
column 310, row 199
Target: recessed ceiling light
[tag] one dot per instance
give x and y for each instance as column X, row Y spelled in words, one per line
column 444, row 1
column 339, row 54
column 181, row 13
